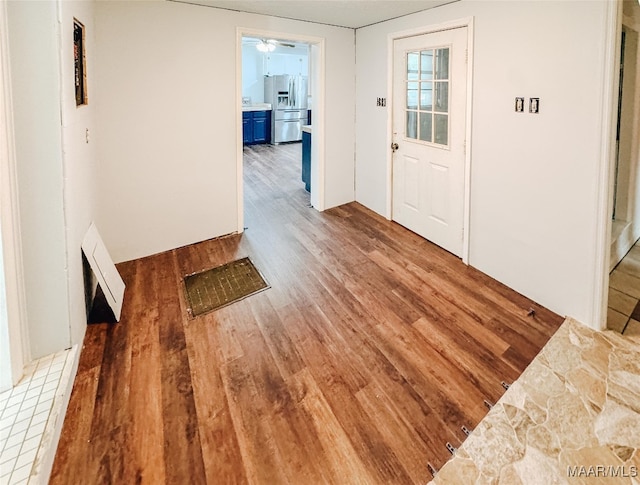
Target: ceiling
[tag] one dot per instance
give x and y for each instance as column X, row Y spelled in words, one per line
column 343, row 13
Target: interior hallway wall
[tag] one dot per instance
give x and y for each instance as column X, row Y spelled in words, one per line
column 35, row 78
column 56, row 165
column 533, row 176
column 80, row 162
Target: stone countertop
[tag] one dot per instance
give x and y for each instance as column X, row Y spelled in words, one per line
column 572, row 417
column 306, row 128
column 256, row 107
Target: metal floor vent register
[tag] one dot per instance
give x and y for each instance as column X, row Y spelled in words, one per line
column 221, row 286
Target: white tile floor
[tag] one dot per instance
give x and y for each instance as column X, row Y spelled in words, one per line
column 24, row 413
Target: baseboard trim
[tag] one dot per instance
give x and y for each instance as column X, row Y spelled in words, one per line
column 43, row 465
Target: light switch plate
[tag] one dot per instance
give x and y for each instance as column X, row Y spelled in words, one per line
column 534, row 105
column 519, row 105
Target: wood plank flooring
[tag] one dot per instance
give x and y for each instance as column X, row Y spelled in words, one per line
column 368, row 353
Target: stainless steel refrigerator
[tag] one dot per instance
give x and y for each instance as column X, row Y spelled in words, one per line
column 288, row 98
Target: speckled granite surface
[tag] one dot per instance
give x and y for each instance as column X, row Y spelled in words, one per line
column 573, row 417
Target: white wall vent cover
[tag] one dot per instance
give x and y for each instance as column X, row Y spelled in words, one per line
column 105, row 270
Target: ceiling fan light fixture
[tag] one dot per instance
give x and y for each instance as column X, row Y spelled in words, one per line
column 266, row 46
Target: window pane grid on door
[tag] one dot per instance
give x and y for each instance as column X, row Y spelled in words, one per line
column 442, row 63
column 426, row 65
column 412, row 95
column 426, row 96
column 412, row 124
column 413, row 68
column 426, row 130
column 427, row 88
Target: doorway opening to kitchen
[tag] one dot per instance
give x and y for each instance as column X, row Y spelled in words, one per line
column 281, row 110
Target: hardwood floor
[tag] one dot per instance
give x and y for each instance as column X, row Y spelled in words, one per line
column 365, row 357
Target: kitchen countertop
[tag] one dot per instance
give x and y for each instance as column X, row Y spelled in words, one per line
column 256, row 107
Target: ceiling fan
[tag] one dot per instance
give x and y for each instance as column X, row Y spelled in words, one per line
column 269, row 45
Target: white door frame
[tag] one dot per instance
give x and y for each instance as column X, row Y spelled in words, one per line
column 464, row 22
column 606, row 176
column 317, row 68
column 14, row 348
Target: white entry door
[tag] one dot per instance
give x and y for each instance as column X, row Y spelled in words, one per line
column 429, row 109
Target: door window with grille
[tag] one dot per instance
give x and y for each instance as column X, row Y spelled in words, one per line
column 427, row 87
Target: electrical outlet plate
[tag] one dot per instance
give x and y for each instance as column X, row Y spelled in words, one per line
column 519, row 105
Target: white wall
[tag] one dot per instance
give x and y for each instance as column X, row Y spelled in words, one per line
column 80, row 155
column 533, row 177
column 35, row 70
column 253, row 73
column 167, row 117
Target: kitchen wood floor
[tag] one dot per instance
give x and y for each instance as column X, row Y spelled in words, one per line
column 365, row 357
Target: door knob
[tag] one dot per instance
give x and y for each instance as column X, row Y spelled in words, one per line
column 394, row 147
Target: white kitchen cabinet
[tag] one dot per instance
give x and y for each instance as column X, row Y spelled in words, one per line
column 292, row 64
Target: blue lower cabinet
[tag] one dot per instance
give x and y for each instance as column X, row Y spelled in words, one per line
column 260, row 130
column 247, row 128
column 256, row 127
column 306, row 160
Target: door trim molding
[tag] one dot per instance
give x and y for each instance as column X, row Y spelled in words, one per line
column 11, row 265
column 606, row 176
column 318, row 95
column 430, row 29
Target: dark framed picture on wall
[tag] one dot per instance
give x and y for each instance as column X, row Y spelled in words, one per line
column 79, row 63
